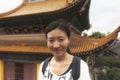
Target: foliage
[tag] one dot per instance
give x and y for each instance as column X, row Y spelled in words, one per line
column 112, row 74
column 97, row 35
column 108, row 61
column 111, row 66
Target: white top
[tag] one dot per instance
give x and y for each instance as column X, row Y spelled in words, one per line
column 49, row 75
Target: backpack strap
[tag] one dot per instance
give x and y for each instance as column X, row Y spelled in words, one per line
column 76, row 68
column 45, row 64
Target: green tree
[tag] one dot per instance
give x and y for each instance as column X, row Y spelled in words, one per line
column 108, row 61
column 112, row 74
column 97, row 35
column 111, row 66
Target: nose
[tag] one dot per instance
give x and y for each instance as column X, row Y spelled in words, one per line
column 56, row 44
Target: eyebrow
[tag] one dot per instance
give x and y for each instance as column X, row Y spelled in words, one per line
column 58, row 37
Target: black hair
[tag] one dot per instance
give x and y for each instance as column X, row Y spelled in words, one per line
column 60, row 24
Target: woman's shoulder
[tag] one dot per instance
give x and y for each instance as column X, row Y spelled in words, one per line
column 41, row 64
column 83, row 63
column 46, row 61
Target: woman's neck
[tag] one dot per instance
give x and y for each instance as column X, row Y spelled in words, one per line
column 62, row 58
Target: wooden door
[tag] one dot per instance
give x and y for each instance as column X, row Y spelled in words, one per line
column 30, row 72
column 9, row 71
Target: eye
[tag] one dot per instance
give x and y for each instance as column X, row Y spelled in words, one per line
column 61, row 39
column 51, row 40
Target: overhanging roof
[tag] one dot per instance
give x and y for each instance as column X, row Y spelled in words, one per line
column 43, row 13
column 36, row 43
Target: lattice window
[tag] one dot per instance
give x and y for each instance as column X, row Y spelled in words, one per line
column 19, row 71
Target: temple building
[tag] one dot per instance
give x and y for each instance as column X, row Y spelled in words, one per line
column 23, row 44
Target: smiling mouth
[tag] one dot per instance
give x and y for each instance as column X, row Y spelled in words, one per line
column 56, row 50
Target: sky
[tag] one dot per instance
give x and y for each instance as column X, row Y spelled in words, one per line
column 104, row 14
column 7, row 5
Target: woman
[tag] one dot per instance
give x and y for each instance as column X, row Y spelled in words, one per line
column 59, row 66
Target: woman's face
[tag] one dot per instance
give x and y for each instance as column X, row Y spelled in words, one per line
column 57, row 41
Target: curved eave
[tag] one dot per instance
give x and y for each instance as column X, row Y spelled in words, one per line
column 36, row 7
column 95, row 45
